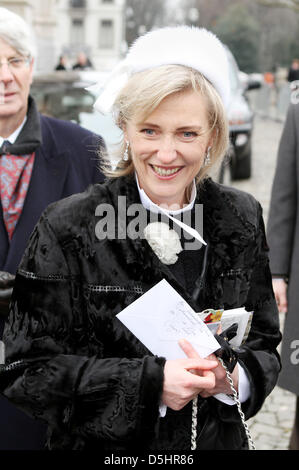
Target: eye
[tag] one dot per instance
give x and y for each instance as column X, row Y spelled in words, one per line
column 189, row 134
column 149, row 132
column 16, row 61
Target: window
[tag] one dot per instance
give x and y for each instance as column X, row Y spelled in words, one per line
column 106, row 40
column 77, row 3
column 77, row 32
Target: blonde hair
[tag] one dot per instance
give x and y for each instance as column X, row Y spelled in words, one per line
column 143, row 93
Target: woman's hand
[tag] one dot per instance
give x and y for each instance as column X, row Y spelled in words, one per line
column 221, row 382
column 280, row 292
column 184, row 379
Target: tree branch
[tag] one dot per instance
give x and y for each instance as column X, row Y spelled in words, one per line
column 291, row 4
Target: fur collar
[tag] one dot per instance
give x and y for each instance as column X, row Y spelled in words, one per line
column 229, row 227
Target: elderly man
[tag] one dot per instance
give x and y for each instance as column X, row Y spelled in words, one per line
column 41, row 160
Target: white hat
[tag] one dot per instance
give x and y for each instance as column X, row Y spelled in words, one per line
column 180, row 45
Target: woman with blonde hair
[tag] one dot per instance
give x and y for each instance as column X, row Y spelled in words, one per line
column 70, row 361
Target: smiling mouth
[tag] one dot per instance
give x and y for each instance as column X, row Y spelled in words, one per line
column 166, row 171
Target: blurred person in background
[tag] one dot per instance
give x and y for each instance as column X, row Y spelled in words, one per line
column 83, row 62
column 293, row 73
column 41, row 160
column 283, row 240
column 62, row 63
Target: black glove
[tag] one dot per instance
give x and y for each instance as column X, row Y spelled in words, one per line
column 226, row 352
column 6, row 286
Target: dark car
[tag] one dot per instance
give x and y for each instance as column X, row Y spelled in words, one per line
column 240, row 117
column 64, row 95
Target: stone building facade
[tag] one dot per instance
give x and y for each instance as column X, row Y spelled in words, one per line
column 96, row 27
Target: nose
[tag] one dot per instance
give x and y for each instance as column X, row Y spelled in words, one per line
column 167, row 150
column 5, row 73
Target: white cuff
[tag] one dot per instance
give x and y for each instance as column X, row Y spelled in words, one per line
column 244, row 389
column 162, row 410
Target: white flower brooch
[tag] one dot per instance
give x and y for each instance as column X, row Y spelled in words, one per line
column 164, row 242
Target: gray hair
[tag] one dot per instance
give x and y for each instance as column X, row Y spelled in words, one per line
column 15, row 31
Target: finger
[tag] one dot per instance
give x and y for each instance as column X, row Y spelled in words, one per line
column 283, row 304
column 199, row 364
column 202, row 383
column 190, row 352
column 281, row 301
column 280, row 291
column 219, row 329
column 206, row 394
column 211, row 357
column 188, row 349
column 220, row 373
column 206, row 372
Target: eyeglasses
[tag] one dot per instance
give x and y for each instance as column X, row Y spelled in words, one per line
column 15, row 63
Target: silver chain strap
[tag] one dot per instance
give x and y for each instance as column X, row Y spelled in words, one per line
column 235, row 397
column 194, row 423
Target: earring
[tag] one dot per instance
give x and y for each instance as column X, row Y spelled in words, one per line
column 126, row 153
column 207, row 160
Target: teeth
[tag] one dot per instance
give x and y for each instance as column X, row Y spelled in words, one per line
column 163, row 172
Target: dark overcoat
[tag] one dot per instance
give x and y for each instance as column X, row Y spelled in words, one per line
column 73, row 364
column 283, row 239
column 66, row 163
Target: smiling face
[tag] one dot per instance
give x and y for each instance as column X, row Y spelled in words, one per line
column 15, row 85
column 168, row 146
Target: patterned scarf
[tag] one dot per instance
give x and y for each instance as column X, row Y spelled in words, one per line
column 16, row 165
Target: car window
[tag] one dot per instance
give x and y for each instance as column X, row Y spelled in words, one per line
column 73, row 103
column 77, row 99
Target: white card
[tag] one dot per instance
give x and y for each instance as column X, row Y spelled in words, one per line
column 161, row 317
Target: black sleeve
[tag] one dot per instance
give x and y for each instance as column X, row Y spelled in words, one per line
column 50, row 373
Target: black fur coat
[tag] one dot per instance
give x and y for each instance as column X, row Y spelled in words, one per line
column 74, row 365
